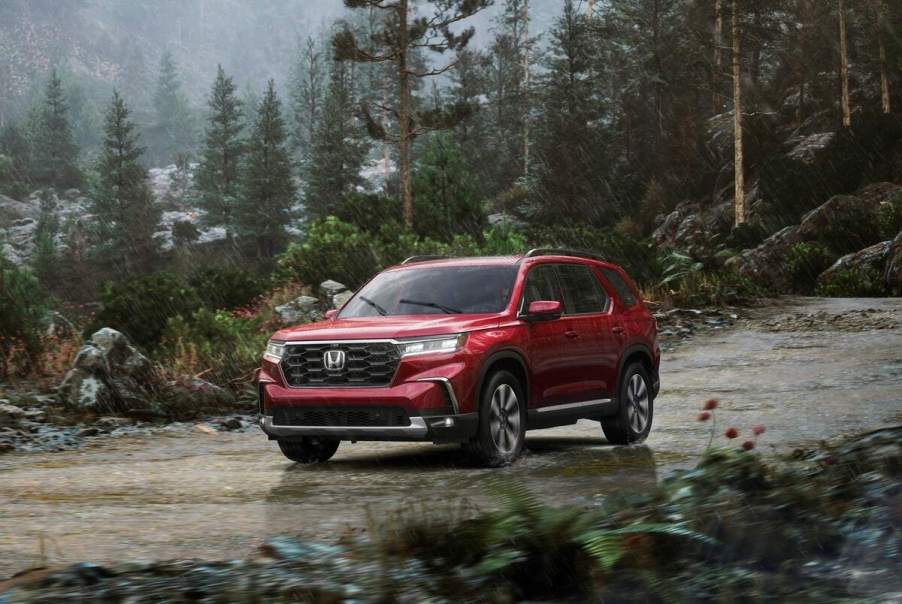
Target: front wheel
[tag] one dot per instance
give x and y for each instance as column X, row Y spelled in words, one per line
column 502, row 421
column 309, row 449
column 633, row 420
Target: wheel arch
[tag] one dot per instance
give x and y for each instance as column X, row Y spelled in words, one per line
column 634, row 353
column 508, row 360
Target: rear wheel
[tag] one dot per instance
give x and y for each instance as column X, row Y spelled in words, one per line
column 502, row 421
column 633, row 420
column 308, row 449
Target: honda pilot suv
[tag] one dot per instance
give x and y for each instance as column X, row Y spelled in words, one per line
column 469, row 350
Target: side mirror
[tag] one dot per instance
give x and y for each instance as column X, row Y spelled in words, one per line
column 544, row 310
column 330, row 314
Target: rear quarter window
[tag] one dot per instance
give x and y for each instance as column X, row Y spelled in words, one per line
column 621, row 288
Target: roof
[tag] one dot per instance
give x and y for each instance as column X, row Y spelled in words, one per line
column 419, row 261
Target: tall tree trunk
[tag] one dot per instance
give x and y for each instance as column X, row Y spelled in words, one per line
column 404, row 116
column 526, row 71
column 718, row 55
column 386, row 123
column 739, row 196
column 884, row 77
column 590, row 9
column 844, row 66
column 803, row 14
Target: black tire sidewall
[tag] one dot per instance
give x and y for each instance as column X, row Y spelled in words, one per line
column 487, row 449
column 623, row 415
column 308, row 450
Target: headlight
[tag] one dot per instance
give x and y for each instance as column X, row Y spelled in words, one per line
column 274, row 350
column 433, row 345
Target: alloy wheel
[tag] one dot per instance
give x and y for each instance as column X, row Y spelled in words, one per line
column 504, row 418
column 637, row 403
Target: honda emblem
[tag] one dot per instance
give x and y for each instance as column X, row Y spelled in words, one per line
column 334, row 360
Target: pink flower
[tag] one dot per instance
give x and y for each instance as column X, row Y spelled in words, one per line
column 748, row 445
column 704, row 416
column 711, row 404
column 731, row 433
column 758, row 430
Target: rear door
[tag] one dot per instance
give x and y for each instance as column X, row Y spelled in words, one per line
column 591, row 340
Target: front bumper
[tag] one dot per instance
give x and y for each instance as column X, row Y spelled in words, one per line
column 435, row 428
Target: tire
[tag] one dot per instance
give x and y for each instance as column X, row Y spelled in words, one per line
column 636, row 409
column 309, row 449
column 502, row 421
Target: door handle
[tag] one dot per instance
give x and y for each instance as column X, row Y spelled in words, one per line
column 618, row 330
column 571, row 334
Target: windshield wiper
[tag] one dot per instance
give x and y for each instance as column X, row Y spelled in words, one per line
column 445, row 309
column 378, row 308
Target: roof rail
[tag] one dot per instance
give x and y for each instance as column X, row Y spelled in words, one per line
column 414, row 259
column 549, row 251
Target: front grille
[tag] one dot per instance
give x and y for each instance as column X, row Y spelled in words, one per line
column 340, row 416
column 366, row 364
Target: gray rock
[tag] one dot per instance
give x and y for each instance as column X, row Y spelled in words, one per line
column 331, row 288
column 10, row 415
column 339, row 299
column 872, row 257
column 300, row 310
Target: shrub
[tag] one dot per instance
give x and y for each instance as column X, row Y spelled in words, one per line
column 746, row 236
column 222, row 347
column 689, row 281
column 140, row 307
column 368, row 211
column 889, row 218
column 333, row 249
column 24, row 306
column 805, row 262
column 854, row 283
column 226, row 288
column 854, row 230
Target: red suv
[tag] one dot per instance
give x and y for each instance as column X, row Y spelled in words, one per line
column 469, row 350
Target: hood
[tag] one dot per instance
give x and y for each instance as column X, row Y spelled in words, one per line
column 379, row 328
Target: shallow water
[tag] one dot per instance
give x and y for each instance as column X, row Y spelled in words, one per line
column 218, row 496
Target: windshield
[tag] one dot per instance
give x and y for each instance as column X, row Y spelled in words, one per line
column 434, row 290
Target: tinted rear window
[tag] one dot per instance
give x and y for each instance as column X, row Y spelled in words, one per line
column 582, row 291
column 620, row 287
column 434, row 290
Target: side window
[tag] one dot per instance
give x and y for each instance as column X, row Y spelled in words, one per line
column 623, row 290
column 541, row 284
column 582, row 291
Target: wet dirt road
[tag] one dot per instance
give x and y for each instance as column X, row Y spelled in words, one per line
column 804, row 375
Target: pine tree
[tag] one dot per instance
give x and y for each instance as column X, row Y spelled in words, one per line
column 339, row 149
column 400, row 38
column 46, row 260
column 219, row 175
column 14, row 179
column 268, row 191
column 308, row 91
column 123, row 202
column 173, row 131
column 54, row 154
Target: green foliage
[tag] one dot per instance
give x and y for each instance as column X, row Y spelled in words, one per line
column 173, row 131
column 339, row 148
column 370, row 212
column 690, row 281
column 746, row 236
column 855, row 282
column 24, row 307
column 805, row 262
column 889, row 218
column 218, row 176
column 127, row 216
column 184, row 233
column 445, row 201
column 268, row 191
column 637, row 256
column 224, row 348
column 141, row 307
column 332, row 249
column 55, row 154
column 15, row 156
column 226, row 288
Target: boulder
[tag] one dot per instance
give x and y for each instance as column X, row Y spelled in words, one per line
column 339, row 299
column 767, row 262
column 892, row 273
column 300, row 310
column 330, row 288
column 111, row 377
column 872, row 257
column 10, row 415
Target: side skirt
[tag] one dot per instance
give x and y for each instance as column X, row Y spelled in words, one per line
column 569, row 413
